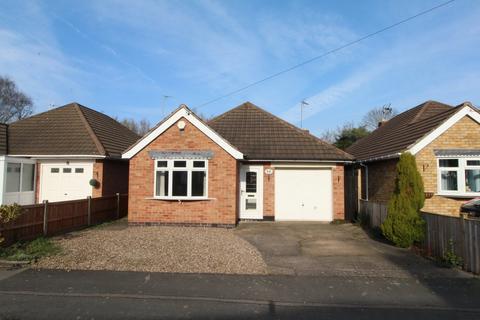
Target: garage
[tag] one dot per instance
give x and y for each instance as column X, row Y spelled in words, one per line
column 62, row 181
column 303, row 194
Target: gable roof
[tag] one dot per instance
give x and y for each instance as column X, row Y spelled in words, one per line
column 181, row 112
column 262, row 136
column 408, row 130
column 69, row 130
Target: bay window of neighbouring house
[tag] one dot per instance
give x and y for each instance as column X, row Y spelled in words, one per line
column 181, row 179
column 459, row 176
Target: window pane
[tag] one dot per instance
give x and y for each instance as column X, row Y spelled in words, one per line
column 67, row 170
column 251, row 182
column 161, row 189
column 161, row 164
column 27, row 177
column 250, row 204
column 472, row 180
column 449, row 181
column 199, row 164
column 179, row 187
column 55, row 170
column 13, row 177
column 473, row 162
column 78, row 170
column 180, row 164
column 198, row 183
column 448, row 163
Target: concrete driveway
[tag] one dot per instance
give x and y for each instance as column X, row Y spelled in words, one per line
column 299, row 248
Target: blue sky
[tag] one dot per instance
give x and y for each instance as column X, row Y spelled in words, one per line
column 122, row 57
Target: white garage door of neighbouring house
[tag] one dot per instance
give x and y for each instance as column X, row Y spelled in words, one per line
column 61, row 182
column 303, row 194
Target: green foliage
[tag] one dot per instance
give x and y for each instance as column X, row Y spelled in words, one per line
column 450, row 259
column 404, row 225
column 9, row 213
column 28, row 251
column 348, row 136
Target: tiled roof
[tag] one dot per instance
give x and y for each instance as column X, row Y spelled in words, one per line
column 259, row 135
column 69, row 130
column 400, row 132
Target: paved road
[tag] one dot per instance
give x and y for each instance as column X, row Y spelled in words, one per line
column 125, row 295
column 321, row 249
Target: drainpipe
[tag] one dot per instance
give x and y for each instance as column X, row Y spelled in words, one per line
column 366, row 180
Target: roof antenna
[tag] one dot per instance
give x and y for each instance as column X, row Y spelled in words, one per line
column 303, row 104
column 386, row 111
column 164, row 105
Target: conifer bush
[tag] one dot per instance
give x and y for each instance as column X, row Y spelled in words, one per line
column 404, row 225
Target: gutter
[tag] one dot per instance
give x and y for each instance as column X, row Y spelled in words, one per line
column 46, row 156
column 387, row 157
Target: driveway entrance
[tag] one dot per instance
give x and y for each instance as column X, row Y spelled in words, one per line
column 313, row 248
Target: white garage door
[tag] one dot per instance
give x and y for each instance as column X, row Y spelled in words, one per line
column 61, row 182
column 303, row 194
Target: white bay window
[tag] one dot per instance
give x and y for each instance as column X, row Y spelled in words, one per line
column 459, row 176
column 181, row 179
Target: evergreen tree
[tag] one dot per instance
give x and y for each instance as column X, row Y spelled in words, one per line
column 404, row 225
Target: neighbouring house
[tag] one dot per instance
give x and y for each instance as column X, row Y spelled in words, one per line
column 66, row 153
column 243, row 164
column 445, row 141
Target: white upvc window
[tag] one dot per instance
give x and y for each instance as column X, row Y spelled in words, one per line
column 20, row 177
column 459, row 177
column 181, row 179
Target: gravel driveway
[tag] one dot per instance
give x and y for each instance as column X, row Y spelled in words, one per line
column 156, row 249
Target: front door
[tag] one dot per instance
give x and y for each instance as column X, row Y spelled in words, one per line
column 251, row 192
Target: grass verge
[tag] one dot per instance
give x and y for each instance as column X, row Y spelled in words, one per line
column 29, row 251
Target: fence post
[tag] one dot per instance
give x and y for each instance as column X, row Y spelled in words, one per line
column 464, row 253
column 118, row 205
column 89, row 210
column 45, row 217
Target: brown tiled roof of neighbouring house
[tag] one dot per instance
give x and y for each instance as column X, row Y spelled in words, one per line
column 72, row 129
column 402, row 131
column 259, row 135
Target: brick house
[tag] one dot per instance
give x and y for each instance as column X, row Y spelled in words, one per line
column 445, row 141
column 54, row 155
column 243, row 164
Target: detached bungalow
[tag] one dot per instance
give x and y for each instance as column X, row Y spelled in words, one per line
column 243, row 164
column 445, row 141
column 66, row 153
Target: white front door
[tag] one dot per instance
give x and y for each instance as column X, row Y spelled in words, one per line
column 251, row 192
column 60, row 181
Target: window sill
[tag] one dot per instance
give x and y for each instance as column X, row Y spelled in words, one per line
column 180, row 199
column 459, row 195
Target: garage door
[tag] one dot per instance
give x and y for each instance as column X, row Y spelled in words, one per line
column 61, row 182
column 303, row 194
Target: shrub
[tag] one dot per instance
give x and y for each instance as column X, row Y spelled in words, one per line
column 450, row 258
column 403, row 225
column 9, row 213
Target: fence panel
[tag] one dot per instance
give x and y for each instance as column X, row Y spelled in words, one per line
column 27, row 226
column 62, row 217
column 103, row 209
column 376, row 211
column 66, row 216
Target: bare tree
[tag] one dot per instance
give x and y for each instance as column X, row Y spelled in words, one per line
column 377, row 115
column 139, row 127
column 14, row 104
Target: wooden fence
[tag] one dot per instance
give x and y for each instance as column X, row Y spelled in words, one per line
column 375, row 211
column 52, row 218
column 463, row 232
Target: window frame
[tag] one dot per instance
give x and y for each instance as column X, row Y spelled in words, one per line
column 189, row 168
column 461, row 177
column 20, row 187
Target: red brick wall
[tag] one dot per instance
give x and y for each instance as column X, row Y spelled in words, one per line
column 221, row 208
column 338, row 180
column 268, row 191
column 98, row 175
